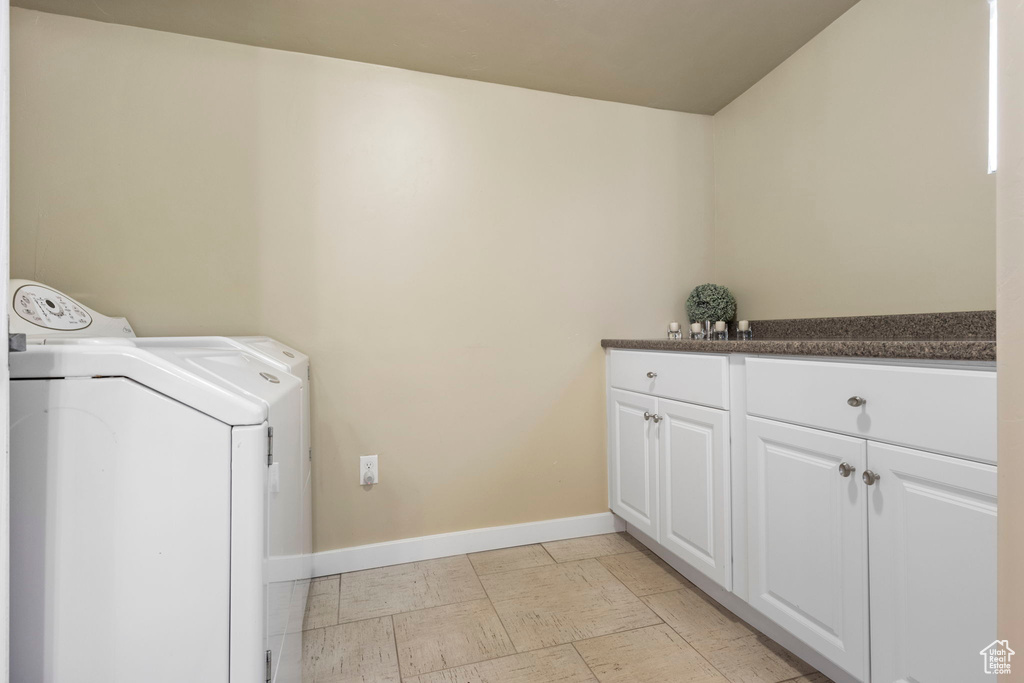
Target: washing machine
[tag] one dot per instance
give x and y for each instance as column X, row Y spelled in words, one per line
column 289, row 554
column 159, row 501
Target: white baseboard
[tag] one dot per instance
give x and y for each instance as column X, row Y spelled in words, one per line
column 459, row 542
column 744, row 611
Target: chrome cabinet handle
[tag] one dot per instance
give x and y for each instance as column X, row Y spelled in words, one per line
column 657, row 418
column 647, row 416
column 651, row 375
column 870, row 477
column 845, row 470
column 856, row 401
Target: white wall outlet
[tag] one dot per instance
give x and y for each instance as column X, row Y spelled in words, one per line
column 367, row 469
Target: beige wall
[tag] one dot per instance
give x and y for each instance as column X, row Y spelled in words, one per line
column 852, row 179
column 1010, row 273
column 448, row 252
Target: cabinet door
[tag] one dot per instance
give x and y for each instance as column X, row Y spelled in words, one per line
column 693, row 444
column 633, row 466
column 807, row 538
column 932, row 520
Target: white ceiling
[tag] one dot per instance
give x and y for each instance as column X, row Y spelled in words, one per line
column 686, row 55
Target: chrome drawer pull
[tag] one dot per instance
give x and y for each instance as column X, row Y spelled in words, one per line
column 870, row 477
column 845, row 470
column 651, row 375
column 856, row 401
column 647, row 416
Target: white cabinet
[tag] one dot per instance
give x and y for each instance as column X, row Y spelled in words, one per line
column 633, row 464
column 930, row 562
column 940, row 409
column 695, row 502
column 691, row 377
column 807, row 555
column 669, row 470
column 880, row 558
column 932, row 521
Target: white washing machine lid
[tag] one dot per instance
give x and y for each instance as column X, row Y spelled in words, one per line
column 270, row 350
column 215, row 375
column 227, row 384
column 275, row 351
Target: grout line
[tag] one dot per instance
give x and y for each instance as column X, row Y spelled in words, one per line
column 482, row 661
column 595, row 557
column 418, row 609
column 701, row 655
column 348, row 623
column 693, row 647
column 394, row 643
column 571, row 643
column 697, row 590
column 486, row 594
column 754, row 634
column 514, row 654
column 502, row 622
column 631, row 592
column 474, row 568
column 672, row 590
column 539, row 566
column 542, row 544
column 545, row 647
column 584, row 660
column 337, row 617
column 390, row 566
column 305, row 614
column 548, row 552
column 521, row 569
column 686, row 640
column 627, row 630
column 491, row 604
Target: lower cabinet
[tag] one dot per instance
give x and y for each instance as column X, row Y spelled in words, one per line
column 807, row 537
column 881, row 558
column 633, row 466
column 669, row 477
column 838, row 524
column 695, row 494
column 932, row 521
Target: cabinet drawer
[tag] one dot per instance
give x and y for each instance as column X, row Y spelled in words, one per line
column 690, row 377
column 942, row 410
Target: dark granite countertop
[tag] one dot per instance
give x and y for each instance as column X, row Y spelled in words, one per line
column 960, row 336
column 942, row 349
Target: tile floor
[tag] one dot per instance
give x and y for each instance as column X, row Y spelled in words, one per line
column 600, row 608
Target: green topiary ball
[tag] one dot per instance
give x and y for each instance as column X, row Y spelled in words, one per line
column 711, row 302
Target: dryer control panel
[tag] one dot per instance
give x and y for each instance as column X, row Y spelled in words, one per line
column 42, row 313
column 49, row 308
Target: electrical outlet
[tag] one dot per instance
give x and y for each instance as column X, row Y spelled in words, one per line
column 367, row 469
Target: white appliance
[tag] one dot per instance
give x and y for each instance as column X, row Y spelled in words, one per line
column 160, row 507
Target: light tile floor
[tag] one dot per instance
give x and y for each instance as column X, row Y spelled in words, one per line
column 600, row 608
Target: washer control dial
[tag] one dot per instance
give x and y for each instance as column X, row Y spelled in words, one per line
column 48, row 308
